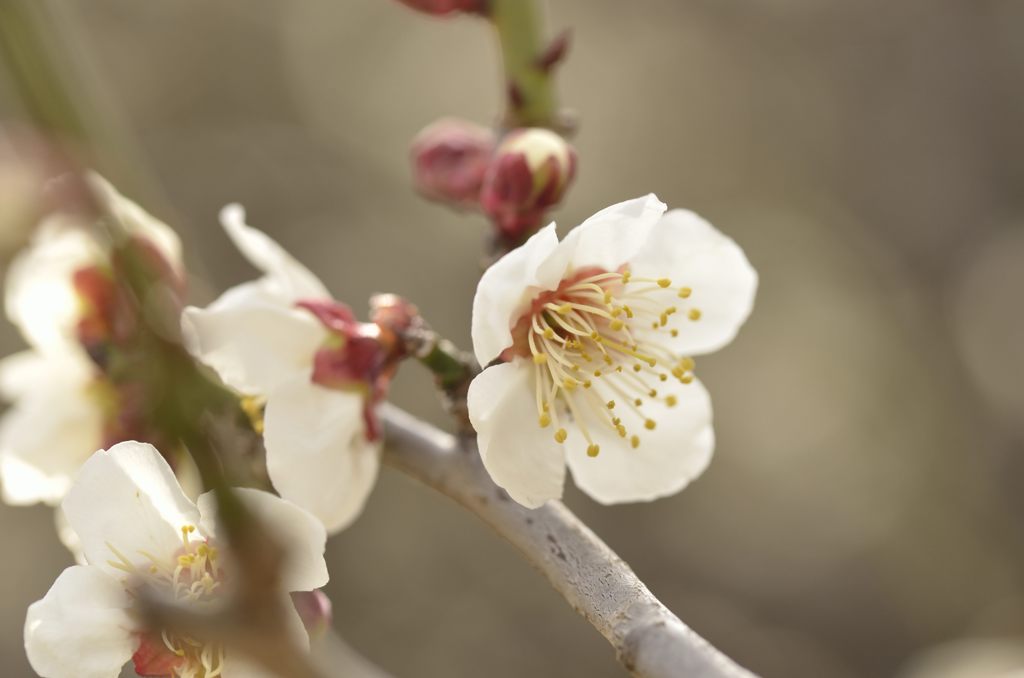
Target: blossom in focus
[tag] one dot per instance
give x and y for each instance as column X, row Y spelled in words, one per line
column 283, row 339
column 449, row 159
column 529, row 173
column 62, row 294
column 138, row 531
column 594, row 339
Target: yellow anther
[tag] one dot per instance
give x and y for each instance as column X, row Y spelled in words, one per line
column 616, row 324
column 652, row 362
column 685, row 292
column 570, row 384
column 621, row 429
column 635, row 442
column 687, row 379
column 544, row 420
column 615, row 312
column 593, row 450
column 545, row 407
column 663, row 320
column 597, row 373
column 587, row 384
column 549, row 333
column 654, row 325
column 574, row 368
column 663, row 377
column 618, row 368
column 186, row 560
column 610, row 404
column 687, row 364
column 565, row 308
column 637, row 367
column 616, row 421
column 540, row 358
column 626, row 275
column 560, row 435
column 638, row 402
column 628, row 310
column 664, row 282
column 670, row 310
column 652, row 393
column 607, row 297
column 671, row 401
column 153, row 569
column 674, row 332
column 650, row 424
column 694, row 314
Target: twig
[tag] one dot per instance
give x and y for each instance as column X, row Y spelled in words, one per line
column 648, row 638
column 531, row 97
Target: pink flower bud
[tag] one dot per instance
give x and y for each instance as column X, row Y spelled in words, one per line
column 528, row 174
column 315, row 610
column 443, row 7
column 449, row 160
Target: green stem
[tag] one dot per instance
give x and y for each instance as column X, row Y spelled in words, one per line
column 531, row 96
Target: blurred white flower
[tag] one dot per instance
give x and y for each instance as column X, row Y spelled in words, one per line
column 282, row 338
column 596, row 335
column 137, row 529
column 58, row 292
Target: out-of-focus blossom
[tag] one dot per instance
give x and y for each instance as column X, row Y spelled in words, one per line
column 321, row 372
column 445, row 7
column 61, row 292
column 139, row 531
column 596, row 336
column 529, row 173
column 449, row 160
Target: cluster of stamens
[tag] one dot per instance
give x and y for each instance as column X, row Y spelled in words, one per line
column 195, row 576
column 597, row 342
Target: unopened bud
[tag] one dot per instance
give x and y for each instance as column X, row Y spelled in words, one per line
column 315, row 611
column 528, row 174
column 443, row 7
column 450, row 159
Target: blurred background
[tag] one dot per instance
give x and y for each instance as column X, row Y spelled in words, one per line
column 864, row 515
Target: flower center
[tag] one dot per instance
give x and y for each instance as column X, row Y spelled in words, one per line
column 598, row 346
column 195, row 576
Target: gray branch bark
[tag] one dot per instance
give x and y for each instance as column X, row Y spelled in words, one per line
column 650, row 641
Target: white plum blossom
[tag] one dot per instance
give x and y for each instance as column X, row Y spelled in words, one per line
column 138, row 529
column 594, row 339
column 281, row 338
column 57, row 294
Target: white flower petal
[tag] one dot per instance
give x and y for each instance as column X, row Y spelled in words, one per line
column 520, row 456
column 127, row 497
column 254, row 348
column 81, row 628
column 317, row 453
column 139, row 222
column 67, row 536
column 299, row 533
column 49, row 432
column 668, row 458
column 608, row 239
column 284, row 274
column 692, row 253
column 505, row 288
column 30, row 372
column 39, row 295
